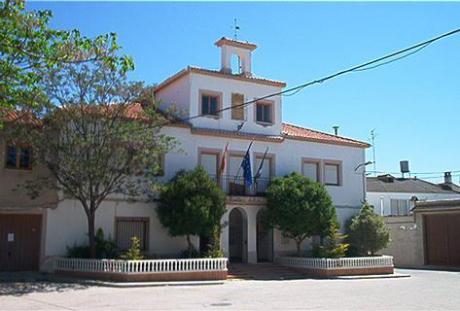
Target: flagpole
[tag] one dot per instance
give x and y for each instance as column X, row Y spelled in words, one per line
column 239, row 168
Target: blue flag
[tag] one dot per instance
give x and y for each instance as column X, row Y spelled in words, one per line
column 246, row 165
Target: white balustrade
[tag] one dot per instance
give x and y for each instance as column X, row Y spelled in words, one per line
column 140, row 266
column 336, row 263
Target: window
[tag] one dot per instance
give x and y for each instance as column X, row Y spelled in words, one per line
column 399, row 207
column 209, row 105
column 263, row 180
column 310, row 169
column 237, row 112
column 18, row 157
column 126, row 228
column 264, row 112
column 332, row 174
column 209, row 160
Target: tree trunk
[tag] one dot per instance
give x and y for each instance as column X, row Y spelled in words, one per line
column 91, row 235
column 297, row 242
column 190, row 246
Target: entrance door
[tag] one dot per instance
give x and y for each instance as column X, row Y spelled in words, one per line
column 237, row 236
column 20, row 242
column 264, row 241
column 442, row 236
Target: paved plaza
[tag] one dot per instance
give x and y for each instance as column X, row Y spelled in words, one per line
column 424, row 290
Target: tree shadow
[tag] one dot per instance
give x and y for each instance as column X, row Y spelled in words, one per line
column 18, row 284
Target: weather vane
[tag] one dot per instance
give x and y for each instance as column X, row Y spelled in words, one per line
column 236, row 28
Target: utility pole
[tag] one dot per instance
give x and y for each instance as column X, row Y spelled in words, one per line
column 373, row 135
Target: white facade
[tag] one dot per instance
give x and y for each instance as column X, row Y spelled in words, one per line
column 202, row 141
column 382, row 200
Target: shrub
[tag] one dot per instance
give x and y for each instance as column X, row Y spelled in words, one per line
column 134, row 252
column 192, row 204
column 299, row 208
column 367, row 232
column 333, row 248
column 105, row 248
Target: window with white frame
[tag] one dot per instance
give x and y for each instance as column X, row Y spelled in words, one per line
column 264, row 112
column 332, row 174
column 399, row 207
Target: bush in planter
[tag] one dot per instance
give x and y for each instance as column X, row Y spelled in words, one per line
column 191, row 204
column 333, row 248
column 134, row 252
column 299, row 208
column 367, row 233
column 105, row 248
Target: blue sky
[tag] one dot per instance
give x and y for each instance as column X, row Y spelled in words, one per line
column 413, row 104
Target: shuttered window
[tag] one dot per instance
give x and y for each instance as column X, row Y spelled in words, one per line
column 310, row 169
column 126, row 228
column 237, row 108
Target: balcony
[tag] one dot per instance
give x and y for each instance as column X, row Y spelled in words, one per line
column 235, row 185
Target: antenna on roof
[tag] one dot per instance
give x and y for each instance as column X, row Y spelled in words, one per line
column 236, row 29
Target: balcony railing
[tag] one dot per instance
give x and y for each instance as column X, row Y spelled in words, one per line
column 235, row 185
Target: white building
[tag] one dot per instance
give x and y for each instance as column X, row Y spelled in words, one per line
column 327, row 158
column 392, row 196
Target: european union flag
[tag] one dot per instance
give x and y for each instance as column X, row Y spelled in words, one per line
column 246, row 165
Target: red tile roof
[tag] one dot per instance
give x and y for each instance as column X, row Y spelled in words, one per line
column 301, row 133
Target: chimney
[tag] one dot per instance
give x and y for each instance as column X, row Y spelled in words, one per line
column 336, row 130
column 240, row 49
column 447, row 177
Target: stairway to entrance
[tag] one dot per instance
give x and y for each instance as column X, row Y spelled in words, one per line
column 263, row 271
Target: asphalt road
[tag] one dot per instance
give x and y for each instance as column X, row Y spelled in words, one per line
column 424, row 290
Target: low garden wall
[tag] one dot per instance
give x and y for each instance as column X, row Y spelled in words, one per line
column 325, row 267
column 143, row 270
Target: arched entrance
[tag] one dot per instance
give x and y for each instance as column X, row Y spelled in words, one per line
column 237, row 239
column 264, row 240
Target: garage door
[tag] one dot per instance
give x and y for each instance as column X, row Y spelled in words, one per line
column 442, row 239
column 19, row 242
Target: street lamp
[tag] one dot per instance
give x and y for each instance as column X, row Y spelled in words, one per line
column 363, row 165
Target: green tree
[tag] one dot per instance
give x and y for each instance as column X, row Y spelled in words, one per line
column 99, row 135
column 367, row 232
column 300, row 208
column 28, row 46
column 192, row 204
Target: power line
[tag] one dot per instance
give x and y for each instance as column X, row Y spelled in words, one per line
column 409, row 51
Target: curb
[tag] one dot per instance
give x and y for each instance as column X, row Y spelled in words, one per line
column 372, row 277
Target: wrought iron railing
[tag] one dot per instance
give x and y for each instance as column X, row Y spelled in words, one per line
column 236, row 185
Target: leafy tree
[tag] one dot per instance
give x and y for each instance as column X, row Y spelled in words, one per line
column 28, row 46
column 192, row 204
column 299, row 208
column 98, row 134
column 367, row 232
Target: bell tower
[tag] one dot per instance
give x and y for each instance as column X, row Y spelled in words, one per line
column 241, row 49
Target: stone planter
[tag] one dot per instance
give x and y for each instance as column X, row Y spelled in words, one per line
column 326, row 267
column 143, row 270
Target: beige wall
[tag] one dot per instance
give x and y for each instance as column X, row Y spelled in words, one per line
column 12, row 192
column 406, row 245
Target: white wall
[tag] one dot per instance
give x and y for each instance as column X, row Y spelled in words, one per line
column 381, row 200
column 186, row 94
column 288, row 158
column 176, row 96
column 67, row 225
